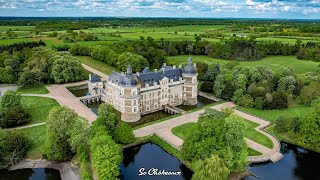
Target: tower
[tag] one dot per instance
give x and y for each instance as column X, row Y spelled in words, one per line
column 190, row 88
column 129, row 96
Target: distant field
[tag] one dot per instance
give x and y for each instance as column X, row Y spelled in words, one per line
column 174, row 33
column 273, row 62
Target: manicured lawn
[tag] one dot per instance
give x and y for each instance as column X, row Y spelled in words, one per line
column 252, row 152
column 272, row 115
column 36, row 136
column 34, row 89
column 252, row 134
column 38, row 107
column 185, row 130
column 98, row 65
column 273, row 62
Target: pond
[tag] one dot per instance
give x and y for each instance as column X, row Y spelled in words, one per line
column 150, row 156
column 30, row 174
column 79, row 92
column 202, row 101
column 297, row 163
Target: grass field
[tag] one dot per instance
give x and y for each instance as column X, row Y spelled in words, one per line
column 272, row 115
column 36, row 136
column 174, row 33
column 98, row 65
column 38, row 107
column 273, row 62
column 34, row 89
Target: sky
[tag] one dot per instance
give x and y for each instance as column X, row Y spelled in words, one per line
column 284, row 9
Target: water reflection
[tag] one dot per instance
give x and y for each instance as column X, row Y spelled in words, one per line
column 201, row 102
column 30, row 174
column 297, row 163
column 151, row 156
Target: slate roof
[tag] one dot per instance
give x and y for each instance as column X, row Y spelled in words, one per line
column 189, row 69
column 95, row 78
column 146, row 76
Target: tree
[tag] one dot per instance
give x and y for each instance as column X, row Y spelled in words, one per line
column 287, row 84
column 222, row 137
column 13, row 147
column 211, row 168
column 137, row 62
column 279, row 100
column 108, row 118
column 310, row 128
column 59, row 122
column 106, row 156
column 310, row 92
column 66, row 68
column 246, row 101
column 197, row 38
column 124, row 133
column 11, row 112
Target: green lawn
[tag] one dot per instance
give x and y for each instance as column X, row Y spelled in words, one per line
column 252, row 152
column 34, row 89
column 38, row 107
column 36, row 136
column 273, row 62
column 98, row 65
column 252, row 134
column 272, row 115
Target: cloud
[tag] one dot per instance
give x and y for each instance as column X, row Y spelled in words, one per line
column 163, row 8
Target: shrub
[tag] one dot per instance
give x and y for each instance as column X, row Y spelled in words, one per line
column 11, row 111
column 15, row 116
column 279, row 100
column 124, row 133
column 282, row 124
column 13, row 147
column 246, row 101
column 259, row 103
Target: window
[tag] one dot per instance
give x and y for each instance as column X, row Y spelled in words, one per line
column 148, row 108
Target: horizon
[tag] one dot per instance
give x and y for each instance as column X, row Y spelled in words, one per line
column 262, row 9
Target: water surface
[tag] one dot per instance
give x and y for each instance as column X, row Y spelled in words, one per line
column 151, row 156
column 297, row 163
column 30, row 174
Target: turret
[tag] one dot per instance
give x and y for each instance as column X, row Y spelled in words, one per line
column 190, row 89
column 129, row 95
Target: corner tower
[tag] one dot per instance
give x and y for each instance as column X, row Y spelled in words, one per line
column 190, row 88
column 129, row 95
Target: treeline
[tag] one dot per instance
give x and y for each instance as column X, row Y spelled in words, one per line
column 258, row 87
column 72, row 37
column 20, row 46
column 39, row 65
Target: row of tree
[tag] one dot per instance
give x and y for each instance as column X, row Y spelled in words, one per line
column 73, row 36
column 20, row 46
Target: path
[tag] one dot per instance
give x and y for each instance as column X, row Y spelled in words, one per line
column 24, row 127
column 99, row 73
column 67, row 170
column 64, row 97
column 163, row 130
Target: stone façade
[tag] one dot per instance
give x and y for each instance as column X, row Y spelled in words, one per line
column 136, row 94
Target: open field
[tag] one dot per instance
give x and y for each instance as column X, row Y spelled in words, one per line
column 272, row 115
column 36, row 136
column 174, row 33
column 38, row 107
column 273, row 62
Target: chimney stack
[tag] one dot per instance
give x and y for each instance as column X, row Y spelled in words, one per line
column 174, row 66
